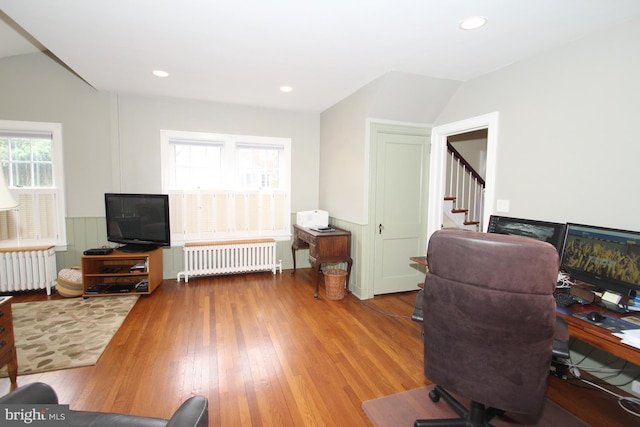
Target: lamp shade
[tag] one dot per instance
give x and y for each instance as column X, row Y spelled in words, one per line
column 6, row 199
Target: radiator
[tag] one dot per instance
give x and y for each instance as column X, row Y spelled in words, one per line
column 234, row 256
column 25, row 269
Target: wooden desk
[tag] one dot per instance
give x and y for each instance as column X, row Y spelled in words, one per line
column 329, row 247
column 587, row 332
column 422, row 260
column 598, row 337
column 8, row 354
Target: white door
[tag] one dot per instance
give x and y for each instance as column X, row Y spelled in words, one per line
column 401, row 194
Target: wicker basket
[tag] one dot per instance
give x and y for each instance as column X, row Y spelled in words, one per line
column 335, row 283
column 70, row 282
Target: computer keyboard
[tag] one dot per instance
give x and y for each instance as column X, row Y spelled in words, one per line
column 563, row 299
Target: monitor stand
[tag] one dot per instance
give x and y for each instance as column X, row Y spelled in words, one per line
column 138, row 247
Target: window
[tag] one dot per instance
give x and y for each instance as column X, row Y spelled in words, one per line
column 31, row 161
column 226, row 186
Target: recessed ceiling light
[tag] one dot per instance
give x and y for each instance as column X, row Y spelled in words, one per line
column 286, row 89
column 473, row 22
column 160, row 73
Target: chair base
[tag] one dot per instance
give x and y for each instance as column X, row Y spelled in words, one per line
column 476, row 416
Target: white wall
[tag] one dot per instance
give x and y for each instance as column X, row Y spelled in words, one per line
column 142, row 118
column 568, row 145
column 344, row 157
column 344, row 147
column 112, row 141
column 36, row 88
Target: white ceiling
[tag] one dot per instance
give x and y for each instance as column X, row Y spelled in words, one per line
column 242, row 51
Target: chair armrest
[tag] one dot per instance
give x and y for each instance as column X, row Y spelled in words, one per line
column 194, row 412
column 34, row 393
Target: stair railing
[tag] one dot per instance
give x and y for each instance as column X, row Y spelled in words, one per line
column 465, row 185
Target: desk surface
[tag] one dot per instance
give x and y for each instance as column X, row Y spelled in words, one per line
column 588, row 332
column 597, row 336
column 422, row 260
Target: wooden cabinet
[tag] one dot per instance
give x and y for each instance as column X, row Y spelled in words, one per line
column 324, row 247
column 7, row 342
column 119, row 273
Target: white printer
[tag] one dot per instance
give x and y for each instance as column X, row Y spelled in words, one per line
column 315, row 218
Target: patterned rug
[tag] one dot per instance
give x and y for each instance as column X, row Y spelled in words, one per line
column 70, row 333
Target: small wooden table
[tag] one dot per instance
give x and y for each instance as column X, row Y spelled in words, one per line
column 8, row 354
column 328, row 247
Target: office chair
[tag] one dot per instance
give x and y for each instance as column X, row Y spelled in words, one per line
column 489, row 323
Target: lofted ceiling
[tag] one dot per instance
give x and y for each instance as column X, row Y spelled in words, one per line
column 243, row 51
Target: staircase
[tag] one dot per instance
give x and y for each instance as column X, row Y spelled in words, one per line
column 465, row 188
column 457, row 218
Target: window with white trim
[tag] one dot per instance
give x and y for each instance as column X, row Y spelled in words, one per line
column 226, row 186
column 31, row 161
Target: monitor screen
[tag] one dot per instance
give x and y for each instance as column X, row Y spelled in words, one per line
column 545, row 231
column 141, row 221
column 604, row 257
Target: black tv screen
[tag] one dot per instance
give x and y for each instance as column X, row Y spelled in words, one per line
column 139, row 221
column 604, row 257
column 551, row 232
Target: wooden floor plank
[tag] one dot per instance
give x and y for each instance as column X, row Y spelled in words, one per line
column 265, row 353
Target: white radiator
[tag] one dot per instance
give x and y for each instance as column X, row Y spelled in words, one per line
column 25, row 269
column 236, row 256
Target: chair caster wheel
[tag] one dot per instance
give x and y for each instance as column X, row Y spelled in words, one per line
column 434, row 396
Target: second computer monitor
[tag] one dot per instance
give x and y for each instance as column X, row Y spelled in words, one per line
column 551, row 232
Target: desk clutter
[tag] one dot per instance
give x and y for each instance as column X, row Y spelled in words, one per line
column 566, row 296
column 614, row 324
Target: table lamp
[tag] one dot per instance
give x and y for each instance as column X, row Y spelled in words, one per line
column 6, row 199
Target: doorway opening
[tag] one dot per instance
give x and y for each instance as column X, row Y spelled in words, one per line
column 438, row 168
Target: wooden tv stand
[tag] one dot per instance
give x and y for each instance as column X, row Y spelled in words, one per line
column 116, row 269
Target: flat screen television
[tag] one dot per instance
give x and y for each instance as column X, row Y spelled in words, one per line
column 551, row 232
column 139, row 221
column 607, row 258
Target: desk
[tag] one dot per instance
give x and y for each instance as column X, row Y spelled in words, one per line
column 329, row 247
column 598, row 337
column 587, row 332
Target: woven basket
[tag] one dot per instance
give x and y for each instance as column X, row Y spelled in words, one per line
column 70, row 282
column 335, row 282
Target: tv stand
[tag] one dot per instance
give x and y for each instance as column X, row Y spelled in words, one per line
column 119, row 272
column 138, row 247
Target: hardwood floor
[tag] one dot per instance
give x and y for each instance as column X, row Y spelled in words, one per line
column 266, row 353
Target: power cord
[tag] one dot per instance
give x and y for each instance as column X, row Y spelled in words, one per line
column 623, row 401
column 564, row 281
column 634, row 402
column 377, row 310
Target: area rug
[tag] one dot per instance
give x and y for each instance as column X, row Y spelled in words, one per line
column 402, row 409
column 61, row 334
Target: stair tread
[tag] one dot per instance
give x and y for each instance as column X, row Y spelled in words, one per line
column 459, row 210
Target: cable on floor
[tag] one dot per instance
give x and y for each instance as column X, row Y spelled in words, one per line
column 377, row 310
column 622, row 400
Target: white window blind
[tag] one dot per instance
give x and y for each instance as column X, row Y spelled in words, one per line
column 226, row 186
column 31, row 161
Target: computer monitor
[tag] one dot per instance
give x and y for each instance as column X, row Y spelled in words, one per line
column 604, row 257
column 551, row 232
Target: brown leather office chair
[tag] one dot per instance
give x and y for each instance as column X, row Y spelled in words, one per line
column 489, row 323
